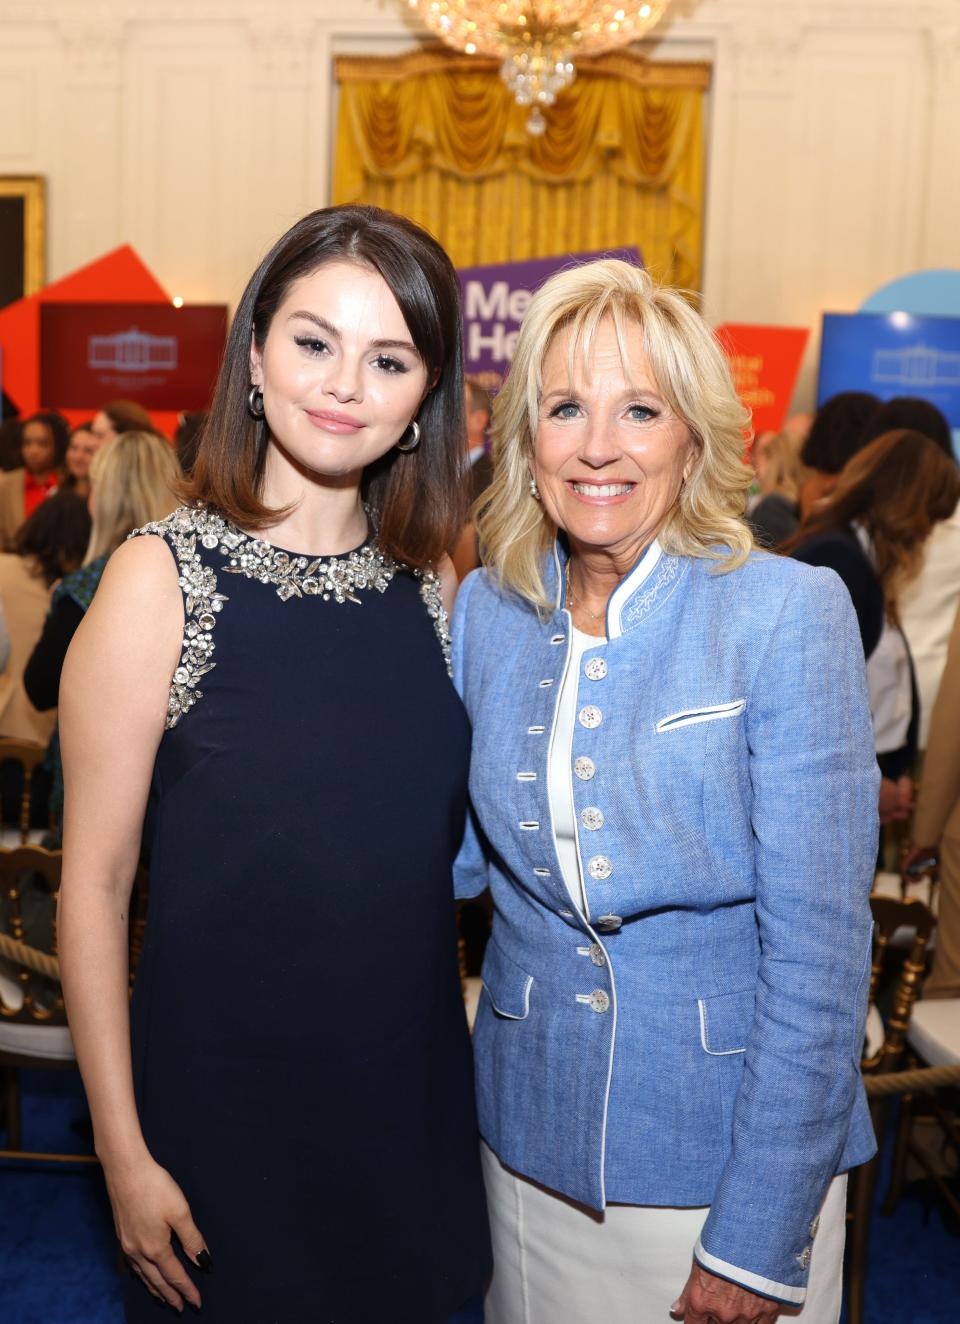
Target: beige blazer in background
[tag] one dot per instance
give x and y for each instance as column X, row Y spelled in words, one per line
column 26, row 601
column 11, row 507
column 937, row 819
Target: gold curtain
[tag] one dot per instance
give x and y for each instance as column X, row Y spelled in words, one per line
column 439, row 138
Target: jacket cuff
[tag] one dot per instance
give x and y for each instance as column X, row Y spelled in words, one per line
column 754, row 1282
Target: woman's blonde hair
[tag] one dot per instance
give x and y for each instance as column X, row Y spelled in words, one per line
column 133, row 479
column 691, row 373
column 783, row 470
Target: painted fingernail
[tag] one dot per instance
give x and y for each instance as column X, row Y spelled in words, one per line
column 203, row 1260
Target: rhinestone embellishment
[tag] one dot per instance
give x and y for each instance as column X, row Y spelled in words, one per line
column 292, row 577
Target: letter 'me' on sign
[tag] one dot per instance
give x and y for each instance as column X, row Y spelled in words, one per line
column 495, row 300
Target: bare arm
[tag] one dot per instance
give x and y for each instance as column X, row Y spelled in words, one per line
column 113, row 704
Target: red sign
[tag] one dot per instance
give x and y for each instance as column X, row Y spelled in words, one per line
column 765, row 361
column 163, row 357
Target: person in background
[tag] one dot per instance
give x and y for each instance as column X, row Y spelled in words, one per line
column 81, row 448
column 478, row 469
column 928, row 603
column 871, row 530
column 132, row 482
column 43, row 445
column 780, row 476
column 50, row 544
column 833, row 437
column 674, row 791
column 120, row 416
column 936, row 823
column 187, row 439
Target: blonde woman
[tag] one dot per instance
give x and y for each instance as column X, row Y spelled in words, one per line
column 780, row 475
column 674, row 788
column 132, row 482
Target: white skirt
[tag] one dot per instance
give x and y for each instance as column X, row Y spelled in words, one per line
column 558, row 1262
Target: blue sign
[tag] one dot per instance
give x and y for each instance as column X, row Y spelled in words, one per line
column 891, row 354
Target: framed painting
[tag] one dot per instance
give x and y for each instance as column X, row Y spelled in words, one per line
column 22, row 236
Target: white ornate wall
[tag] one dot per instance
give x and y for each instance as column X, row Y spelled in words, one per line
column 198, row 131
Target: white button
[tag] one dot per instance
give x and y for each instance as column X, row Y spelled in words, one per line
column 609, row 923
column 591, row 818
column 599, row 1000
column 596, row 954
column 590, row 716
column 595, row 669
column 803, row 1259
column 599, row 867
column 584, row 768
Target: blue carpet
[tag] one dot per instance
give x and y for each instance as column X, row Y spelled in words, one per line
column 58, row 1259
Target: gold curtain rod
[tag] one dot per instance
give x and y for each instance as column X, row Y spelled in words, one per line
column 635, row 69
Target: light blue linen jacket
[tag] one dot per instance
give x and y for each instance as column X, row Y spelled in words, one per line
column 695, row 1039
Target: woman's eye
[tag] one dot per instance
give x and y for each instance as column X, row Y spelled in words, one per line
column 565, row 409
column 389, row 364
column 312, row 344
column 641, row 413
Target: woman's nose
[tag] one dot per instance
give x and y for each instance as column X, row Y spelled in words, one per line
column 598, row 447
column 343, row 380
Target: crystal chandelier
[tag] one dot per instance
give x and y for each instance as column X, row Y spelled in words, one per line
column 536, row 40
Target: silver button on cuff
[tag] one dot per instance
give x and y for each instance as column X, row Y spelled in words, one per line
column 599, row 867
column 595, row 669
column 592, row 818
column 590, row 717
column 814, row 1227
column 803, row 1259
column 609, row 923
column 585, row 768
column 596, row 954
column 599, row 1001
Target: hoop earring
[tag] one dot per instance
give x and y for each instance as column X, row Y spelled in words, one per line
column 255, row 404
column 534, row 490
column 414, row 442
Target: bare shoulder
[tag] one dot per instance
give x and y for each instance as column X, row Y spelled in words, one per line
column 449, row 583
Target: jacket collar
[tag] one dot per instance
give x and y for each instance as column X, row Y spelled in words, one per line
column 640, row 590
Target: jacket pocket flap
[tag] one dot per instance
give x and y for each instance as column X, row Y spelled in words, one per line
column 725, row 1022
column 508, row 987
column 690, row 716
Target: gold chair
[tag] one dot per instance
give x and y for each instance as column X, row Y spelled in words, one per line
column 30, row 755
column 33, row 1024
column 884, row 1054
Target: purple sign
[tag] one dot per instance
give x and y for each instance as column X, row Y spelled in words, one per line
column 495, row 299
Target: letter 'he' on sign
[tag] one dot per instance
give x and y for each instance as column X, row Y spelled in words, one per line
column 495, row 299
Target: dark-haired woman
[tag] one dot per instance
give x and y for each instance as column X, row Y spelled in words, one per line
column 834, row 436
column 871, row 531
column 269, row 667
column 43, row 445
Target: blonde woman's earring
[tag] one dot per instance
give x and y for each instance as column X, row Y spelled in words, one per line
column 414, row 439
column 255, row 403
column 534, row 490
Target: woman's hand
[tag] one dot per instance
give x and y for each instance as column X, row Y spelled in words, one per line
column 926, row 857
column 707, row 1299
column 148, row 1206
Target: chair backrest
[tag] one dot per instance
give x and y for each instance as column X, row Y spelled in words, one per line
column 29, row 885
column 889, row 916
column 29, row 754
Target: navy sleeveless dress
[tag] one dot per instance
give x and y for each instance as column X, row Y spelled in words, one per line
column 301, row 1060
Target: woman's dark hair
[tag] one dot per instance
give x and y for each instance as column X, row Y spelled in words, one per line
column 420, row 496
column 896, row 488
column 186, row 439
column 127, row 416
column 59, row 430
column 909, row 411
column 834, row 434
column 56, row 535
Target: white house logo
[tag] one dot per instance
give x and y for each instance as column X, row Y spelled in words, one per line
column 917, row 366
column 132, row 351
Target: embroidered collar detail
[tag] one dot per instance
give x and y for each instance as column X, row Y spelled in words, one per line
column 338, row 577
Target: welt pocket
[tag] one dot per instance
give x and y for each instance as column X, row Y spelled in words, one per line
column 506, row 984
column 691, row 716
column 725, row 1022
